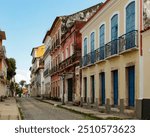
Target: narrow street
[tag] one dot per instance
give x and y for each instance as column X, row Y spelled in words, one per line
column 36, row 110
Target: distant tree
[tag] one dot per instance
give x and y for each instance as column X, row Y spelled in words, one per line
column 26, row 85
column 11, row 71
column 22, row 83
column 18, row 89
column 12, row 88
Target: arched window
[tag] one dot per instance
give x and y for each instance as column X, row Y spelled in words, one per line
column 101, row 41
column 130, row 17
column 92, row 47
column 92, row 41
column 85, row 46
column 114, row 27
column 102, row 36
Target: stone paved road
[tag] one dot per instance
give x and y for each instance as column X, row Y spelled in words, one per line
column 36, row 110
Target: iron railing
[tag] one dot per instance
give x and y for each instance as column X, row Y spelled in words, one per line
column 2, row 52
column 128, row 41
column 115, row 47
column 46, row 72
column 65, row 63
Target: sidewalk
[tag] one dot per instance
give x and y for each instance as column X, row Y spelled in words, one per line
column 89, row 112
column 9, row 110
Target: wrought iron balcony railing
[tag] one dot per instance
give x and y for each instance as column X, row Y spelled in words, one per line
column 54, row 69
column 65, row 63
column 128, row 41
column 57, row 42
column 2, row 51
column 46, row 72
column 115, row 47
column 55, row 45
column 2, row 74
column 111, row 48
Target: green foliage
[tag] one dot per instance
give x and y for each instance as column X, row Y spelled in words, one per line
column 22, row 83
column 11, row 71
column 18, row 89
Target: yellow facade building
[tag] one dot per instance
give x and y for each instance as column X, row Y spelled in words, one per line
column 37, row 68
column 114, row 60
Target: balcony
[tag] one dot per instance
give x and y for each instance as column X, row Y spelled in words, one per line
column 2, row 74
column 111, row 48
column 69, row 61
column 55, row 45
column 66, row 63
column 54, row 70
column 2, row 52
column 128, row 41
column 46, row 72
column 123, row 44
column 47, row 51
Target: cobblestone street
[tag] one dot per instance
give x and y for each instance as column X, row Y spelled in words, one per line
column 36, row 110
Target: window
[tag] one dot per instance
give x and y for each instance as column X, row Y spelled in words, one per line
column 62, row 56
column 130, row 17
column 114, row 27
column 71, row 50
column 102, row 35
column 67, row 53
column 114, row 35
column 92, row 47
column 92, row 41
column 130, row 25
column 85, row 46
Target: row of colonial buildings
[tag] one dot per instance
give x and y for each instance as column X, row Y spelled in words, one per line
column 3, row 67
column 98, row 57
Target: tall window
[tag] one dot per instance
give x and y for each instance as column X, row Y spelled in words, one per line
column 62, row 56
column 67, row 53
column 130, row 17
column 114, row 27
column 92, row 47
column 71, row 49
column 92, row 41
column 102, row 35
column 85, row 46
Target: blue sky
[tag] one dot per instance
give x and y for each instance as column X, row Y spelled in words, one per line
column 26, row 23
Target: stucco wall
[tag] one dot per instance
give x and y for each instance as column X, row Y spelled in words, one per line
column 122, row 61
column 146, row 58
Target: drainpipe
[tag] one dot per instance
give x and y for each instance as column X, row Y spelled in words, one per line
column 141, row 26
column 141, row 53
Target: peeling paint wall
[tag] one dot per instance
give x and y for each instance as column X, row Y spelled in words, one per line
column 146, row 13
column 84, row 15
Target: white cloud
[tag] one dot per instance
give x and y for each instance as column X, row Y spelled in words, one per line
column 22, row 75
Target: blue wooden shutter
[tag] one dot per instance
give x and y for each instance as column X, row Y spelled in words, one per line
column 85, row 46
column 114, row 27
column 130, row 17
